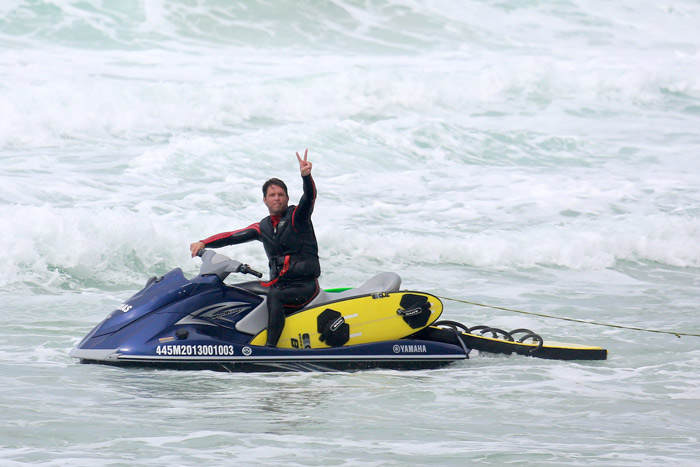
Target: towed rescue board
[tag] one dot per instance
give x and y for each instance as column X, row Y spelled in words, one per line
column 550, row 349
column 358, row 320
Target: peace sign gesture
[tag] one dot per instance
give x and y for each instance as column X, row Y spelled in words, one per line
column 304, row 165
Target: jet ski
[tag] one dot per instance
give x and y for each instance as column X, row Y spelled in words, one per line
column 205, row 323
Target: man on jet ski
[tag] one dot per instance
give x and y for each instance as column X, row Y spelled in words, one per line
column 287, row 235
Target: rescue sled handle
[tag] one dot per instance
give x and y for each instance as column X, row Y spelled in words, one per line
column 222, row 265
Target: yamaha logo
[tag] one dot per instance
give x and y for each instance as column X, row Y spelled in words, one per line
column 247, row 351
column 410, row 348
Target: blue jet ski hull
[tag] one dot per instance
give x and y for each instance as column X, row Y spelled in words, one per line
column 405, row 354
column 175, row 322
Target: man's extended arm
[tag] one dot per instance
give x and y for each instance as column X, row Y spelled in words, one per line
column 302, row 213
column 252, row 232
column 305, row 207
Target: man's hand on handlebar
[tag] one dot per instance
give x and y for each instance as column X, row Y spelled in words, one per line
column 196, row 248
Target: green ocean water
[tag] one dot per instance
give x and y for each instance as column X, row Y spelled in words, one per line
column 537, row 156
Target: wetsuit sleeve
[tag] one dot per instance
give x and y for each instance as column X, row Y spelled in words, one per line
column 252, row 232
column 303, row 211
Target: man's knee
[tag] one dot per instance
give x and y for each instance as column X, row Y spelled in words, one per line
column 273, row 294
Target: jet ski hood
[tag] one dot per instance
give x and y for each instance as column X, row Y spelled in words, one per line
column 158, row 292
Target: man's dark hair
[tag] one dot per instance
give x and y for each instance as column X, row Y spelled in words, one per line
column 276, row 182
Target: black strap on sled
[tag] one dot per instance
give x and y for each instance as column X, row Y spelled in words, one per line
column 333, row 328
column 415, row 310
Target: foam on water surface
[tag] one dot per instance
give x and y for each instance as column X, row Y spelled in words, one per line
column 535, row 156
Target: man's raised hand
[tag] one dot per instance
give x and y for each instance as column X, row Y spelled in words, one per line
column 304, row 165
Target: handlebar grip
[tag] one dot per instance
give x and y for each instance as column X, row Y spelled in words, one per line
column 256, row 273
column 245, row 269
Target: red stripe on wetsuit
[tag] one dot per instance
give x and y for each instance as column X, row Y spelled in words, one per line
column 275, row 220
column 222, row 237
column 310, row 181
column 283, row 271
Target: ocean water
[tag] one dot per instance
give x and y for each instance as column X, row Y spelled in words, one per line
column 540, row 156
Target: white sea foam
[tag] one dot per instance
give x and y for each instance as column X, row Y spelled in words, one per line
column 537, row 156
column 111, row 245
column 95, row 96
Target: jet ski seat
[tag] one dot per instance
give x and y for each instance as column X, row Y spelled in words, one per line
column 382, row 282
column 256, row 320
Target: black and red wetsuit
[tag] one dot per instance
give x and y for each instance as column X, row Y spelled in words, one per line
column 292, row 252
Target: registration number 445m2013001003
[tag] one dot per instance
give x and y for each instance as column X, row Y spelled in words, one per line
column 194, row 350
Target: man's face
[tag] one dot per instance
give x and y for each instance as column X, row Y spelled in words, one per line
column 275, row 200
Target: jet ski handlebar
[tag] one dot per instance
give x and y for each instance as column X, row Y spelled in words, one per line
column 245, row 269
column 222, row 265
